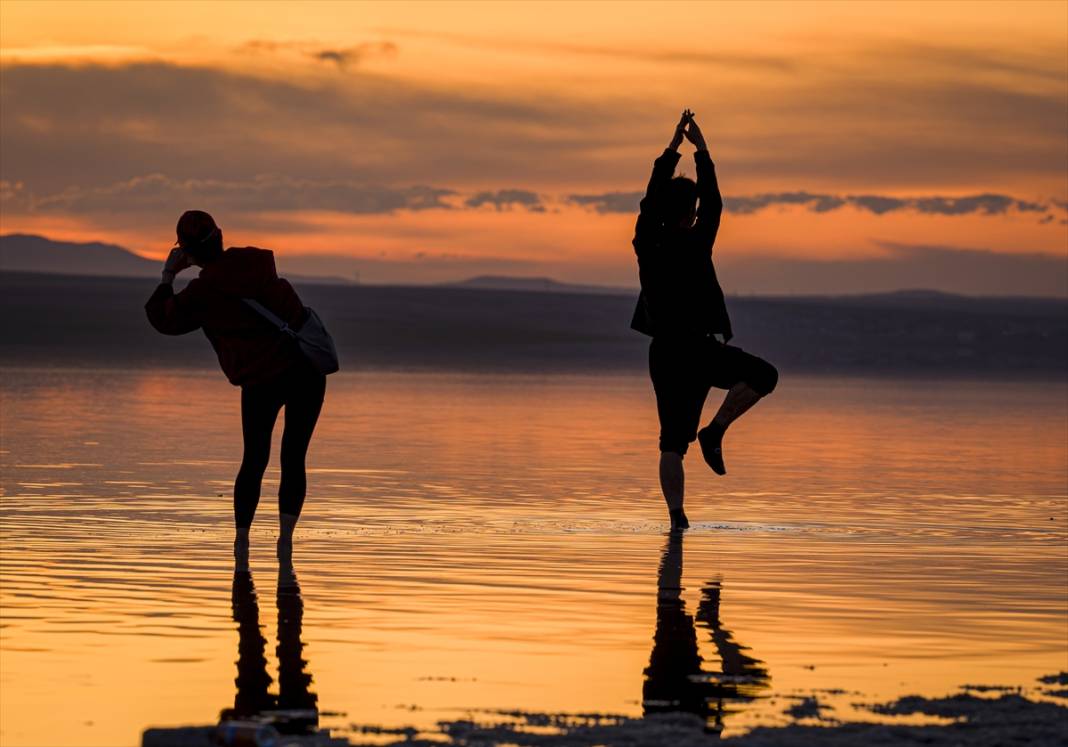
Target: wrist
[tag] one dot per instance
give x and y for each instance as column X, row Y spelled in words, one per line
column 167, row 277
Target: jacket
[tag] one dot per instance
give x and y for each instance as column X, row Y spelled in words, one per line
column 251, row 349
column 680, row 293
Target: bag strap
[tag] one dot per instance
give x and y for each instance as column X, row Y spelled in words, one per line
column 269, row 316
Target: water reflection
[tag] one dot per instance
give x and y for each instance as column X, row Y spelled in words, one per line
column 678, row 678
column 294, row 709
column 258, row 715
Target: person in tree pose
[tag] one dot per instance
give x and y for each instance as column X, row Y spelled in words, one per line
column 681, row 306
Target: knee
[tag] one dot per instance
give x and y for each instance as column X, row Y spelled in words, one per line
column 673, row 447
column 765, row 380
column 672, row 457
column 254, row 463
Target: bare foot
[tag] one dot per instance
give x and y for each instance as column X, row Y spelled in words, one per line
column 678, row 520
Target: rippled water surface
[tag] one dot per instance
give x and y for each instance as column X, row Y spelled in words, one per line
column 476, row 543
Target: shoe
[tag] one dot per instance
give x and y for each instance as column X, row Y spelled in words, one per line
column 711, row 440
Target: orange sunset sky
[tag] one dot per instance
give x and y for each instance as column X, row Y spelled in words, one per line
column 859, row 146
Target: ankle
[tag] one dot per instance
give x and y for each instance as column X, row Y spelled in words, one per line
column 287, row 523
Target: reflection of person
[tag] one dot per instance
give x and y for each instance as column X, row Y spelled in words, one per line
column 675, row 662
column 294, row 709
column 682, row 308
column 253, row 353
column 676, row 678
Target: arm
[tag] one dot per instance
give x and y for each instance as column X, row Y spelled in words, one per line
column 170, row 313
column 664, row 166
column 649, row 209
column 710, row 202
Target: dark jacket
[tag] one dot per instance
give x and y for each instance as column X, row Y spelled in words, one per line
column 680, row 294
column 251, row 349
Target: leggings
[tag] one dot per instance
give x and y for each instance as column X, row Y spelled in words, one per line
column 300, row 390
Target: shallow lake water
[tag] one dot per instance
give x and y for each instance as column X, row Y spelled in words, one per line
column 481, row 544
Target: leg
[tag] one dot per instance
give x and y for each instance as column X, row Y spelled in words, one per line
column 680, row 394
column 672, row 483
column 302, row 413
column 740, row 398
column 259, row 410
column 747, row 380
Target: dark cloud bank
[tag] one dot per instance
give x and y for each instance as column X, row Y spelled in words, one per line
column 935, row 116
column 276, row 192
column 982, row 204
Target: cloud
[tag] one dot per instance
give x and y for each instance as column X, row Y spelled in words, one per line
column 608, row 202
column 343, row 57
column 280, row 193
column 970, row 117
column 93, row 125
column 263, row 193
column 728, row 59
column 817, row 203
column 983, row 204
column 507, row 198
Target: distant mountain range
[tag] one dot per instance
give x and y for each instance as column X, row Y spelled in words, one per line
column 51, row 319
column 29, row 253
column 21, row 252
column 543, row 285
column 38, row 254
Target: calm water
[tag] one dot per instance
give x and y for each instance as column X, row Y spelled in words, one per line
column 474, row 543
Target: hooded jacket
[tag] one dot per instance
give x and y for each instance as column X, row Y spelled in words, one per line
column 251, row 349
column 681, row 295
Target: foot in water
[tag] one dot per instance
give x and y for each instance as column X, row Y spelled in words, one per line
column 285, row 548
column 711, row 439
column 678, row 519
column 241, row 549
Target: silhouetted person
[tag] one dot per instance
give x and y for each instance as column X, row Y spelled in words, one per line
column 266, row 363
column 294, row 709
column 682, row 308
column 677, row 678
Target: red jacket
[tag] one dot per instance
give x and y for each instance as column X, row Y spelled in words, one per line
column 250, row 348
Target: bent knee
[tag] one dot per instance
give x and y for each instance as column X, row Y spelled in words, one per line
column 764, row 380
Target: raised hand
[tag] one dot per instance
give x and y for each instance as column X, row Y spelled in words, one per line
column 177, row 261
column 694, row 135
column 680, row 129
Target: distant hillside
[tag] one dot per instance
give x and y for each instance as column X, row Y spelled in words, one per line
column 28, row 253
column 542, row 285
column 51, row 319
